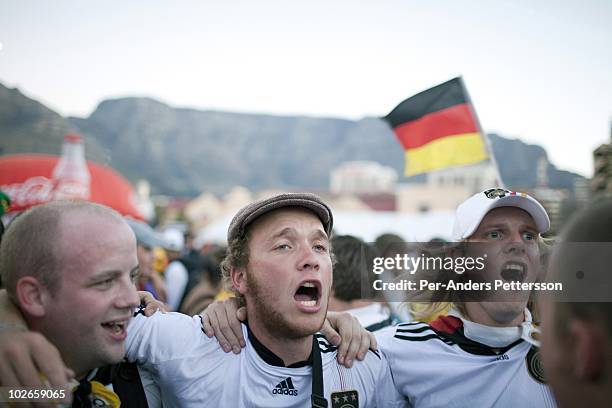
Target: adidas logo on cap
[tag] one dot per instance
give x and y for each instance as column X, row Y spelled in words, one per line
column 285, row 387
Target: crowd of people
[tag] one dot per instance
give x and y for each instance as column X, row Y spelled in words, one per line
column 285, row 305
column 175, row 272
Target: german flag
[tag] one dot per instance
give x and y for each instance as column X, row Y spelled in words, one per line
column 437, row 129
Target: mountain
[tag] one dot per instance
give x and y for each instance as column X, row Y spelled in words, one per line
column 27, row 126
column 517, row 162
column 186, row 151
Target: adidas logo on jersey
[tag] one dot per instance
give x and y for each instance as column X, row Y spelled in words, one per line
column 285, row 387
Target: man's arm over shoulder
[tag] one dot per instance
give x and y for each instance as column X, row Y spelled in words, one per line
column 165, row 336
column 26, row 357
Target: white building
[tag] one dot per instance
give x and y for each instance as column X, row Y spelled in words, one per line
column 445, row 189
column 474, row 178
column 358, row 177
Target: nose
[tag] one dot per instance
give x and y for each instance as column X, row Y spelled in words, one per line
column 126, row 296
column 517, row 248
column 307, row 259
column 516, row 245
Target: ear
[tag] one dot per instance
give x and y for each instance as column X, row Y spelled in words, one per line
column 239, row 279
column 589, row 340
column 32, row 296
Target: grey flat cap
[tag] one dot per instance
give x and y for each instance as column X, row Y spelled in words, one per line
column 251, row 212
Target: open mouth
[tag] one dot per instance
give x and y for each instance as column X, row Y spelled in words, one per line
column 514, row 271
column 117, row 328
column 308, row 293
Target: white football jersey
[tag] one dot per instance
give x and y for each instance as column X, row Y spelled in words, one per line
column 192, row 370
column 437, row 365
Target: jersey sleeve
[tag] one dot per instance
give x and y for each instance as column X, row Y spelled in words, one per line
column 166, row 336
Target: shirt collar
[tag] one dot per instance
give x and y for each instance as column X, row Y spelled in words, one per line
column 499, row 336
column 269, row 357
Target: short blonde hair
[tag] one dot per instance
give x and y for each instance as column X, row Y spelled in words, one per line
column 426, row 311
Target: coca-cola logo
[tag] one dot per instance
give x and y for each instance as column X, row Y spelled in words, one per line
column 40, row 189
column 68, row 190
column 35, row 190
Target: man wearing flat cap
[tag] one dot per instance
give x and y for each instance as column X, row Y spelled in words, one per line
column 483, row 352
column 284, row 273
column 279, row 262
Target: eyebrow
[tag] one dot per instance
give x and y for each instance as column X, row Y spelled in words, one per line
column 497, row 225
column 291, row 231
column 320, row 234
column 501, row 226
column 284, row 232
column 111, row 274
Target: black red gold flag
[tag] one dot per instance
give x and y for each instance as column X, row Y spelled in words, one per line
column 438, row 129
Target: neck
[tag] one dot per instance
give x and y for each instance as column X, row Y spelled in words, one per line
column 337, row 305
column 80, row 368
column 290, row 350
column 477, row 313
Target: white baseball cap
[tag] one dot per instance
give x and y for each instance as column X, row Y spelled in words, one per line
column 470, row 213
column 174, row 239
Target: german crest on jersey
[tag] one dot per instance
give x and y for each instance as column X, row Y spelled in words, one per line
column 345, row 399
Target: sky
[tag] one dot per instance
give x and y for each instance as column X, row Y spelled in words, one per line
column 540, row 71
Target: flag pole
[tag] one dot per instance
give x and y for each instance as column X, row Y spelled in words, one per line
column 482, row 133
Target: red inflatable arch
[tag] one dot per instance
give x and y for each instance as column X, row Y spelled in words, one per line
column 26, row 179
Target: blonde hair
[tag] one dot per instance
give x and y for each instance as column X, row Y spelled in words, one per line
column 428, row 311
